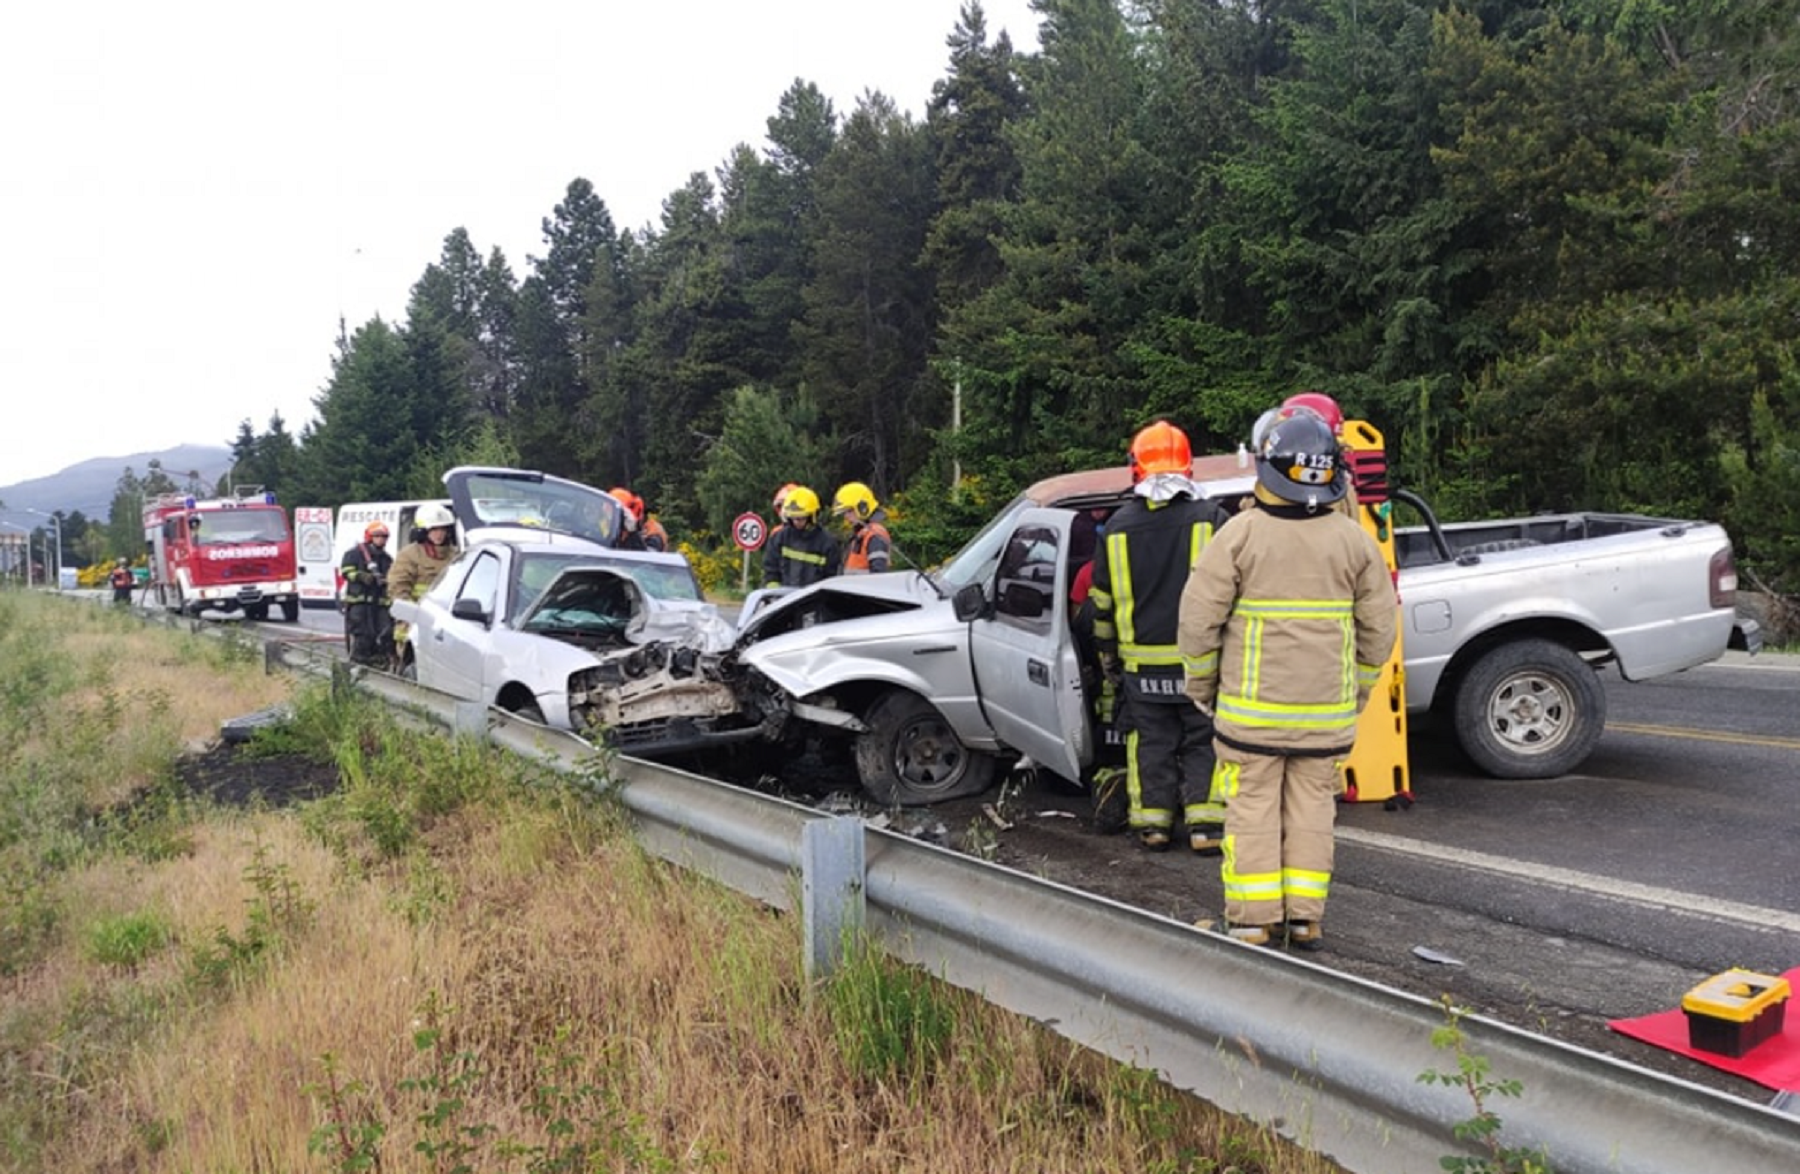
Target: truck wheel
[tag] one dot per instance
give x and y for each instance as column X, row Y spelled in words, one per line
column 910, row 757
column 256, row 612
column 1531, row 709
column 290, row 611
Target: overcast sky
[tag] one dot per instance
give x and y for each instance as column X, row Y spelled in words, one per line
column 195, row 191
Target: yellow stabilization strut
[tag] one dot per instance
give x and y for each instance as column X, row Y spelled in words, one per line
column 1377, row 769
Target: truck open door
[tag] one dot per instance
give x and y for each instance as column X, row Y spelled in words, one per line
column 1026, row 668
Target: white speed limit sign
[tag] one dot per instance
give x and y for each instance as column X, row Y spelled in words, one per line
column 749, row 531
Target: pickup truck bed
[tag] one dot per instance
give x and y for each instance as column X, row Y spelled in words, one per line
column 1505, row 621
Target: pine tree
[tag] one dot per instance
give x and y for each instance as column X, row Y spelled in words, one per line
column 868, row 312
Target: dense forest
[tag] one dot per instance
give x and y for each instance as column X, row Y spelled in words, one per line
column 1551, row 249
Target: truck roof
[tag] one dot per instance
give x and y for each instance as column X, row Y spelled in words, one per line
column 1114, row 482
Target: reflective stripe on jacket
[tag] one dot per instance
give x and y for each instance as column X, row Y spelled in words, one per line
column 417, row 567
column 359, row 559
column 1285, row 624
column 799, row 558
column 1138, row 578
column 869, row 549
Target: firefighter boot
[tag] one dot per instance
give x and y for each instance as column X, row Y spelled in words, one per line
column 1305, row 935
column 1207, row 839
column 1155, row 839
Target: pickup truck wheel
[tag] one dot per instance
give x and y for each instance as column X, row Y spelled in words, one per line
column 909, row 756
column 1531, row 709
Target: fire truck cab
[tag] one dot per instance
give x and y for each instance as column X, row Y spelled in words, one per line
column 226, row 553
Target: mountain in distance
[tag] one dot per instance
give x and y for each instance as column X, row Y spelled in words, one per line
column 89, row 486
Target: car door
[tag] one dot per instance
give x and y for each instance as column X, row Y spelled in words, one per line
column 459, row 644
column 1026, row 669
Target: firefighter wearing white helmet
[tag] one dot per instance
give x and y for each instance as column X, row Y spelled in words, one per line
column 420, row 563
column 1286, row 622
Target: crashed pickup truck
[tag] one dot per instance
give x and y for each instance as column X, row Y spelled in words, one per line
column 941, row 678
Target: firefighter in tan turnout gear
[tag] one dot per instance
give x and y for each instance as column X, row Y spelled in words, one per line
column 1285, row 624
column 419, row 564
column 1151, row 544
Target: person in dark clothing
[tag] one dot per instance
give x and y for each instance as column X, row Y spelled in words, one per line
column 367, row 624
column 122, row 582
column 799, row 553
column 1152, row 543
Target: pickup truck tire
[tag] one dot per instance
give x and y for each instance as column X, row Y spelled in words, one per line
column 1529, row 709
column 910, row 757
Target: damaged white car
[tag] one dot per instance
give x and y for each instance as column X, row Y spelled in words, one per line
column 597, row 641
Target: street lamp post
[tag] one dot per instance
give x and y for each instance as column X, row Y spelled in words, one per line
column 57, row 523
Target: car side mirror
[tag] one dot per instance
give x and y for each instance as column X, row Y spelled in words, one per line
column 469, row 609
column 969, row 603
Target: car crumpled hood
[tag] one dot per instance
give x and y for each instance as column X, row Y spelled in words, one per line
column 881, row 646
column 691, row 625
column 904, row 587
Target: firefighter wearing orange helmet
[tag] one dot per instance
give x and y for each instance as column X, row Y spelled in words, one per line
column 1151, row 544
column 641, row 529
column 367, row 625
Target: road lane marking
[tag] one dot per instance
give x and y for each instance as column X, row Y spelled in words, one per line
column 1775, row 662
column 1598, row 886
column 1687, row 732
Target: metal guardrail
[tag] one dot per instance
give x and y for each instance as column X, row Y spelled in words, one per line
column 1328, row 1060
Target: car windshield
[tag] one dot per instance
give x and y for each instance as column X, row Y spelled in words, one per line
column 231, row 527
column 658, row 580
column 595, row 604
column 977, row 560
column 549, row 505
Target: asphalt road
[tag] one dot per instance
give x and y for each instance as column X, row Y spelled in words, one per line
column 1560, row 904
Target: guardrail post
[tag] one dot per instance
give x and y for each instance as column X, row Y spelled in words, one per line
column 831, row 889
column 341, row 684
column 471, row 718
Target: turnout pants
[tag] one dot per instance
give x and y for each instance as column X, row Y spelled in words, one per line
column 1169, row 764
column 1279, row 813
column 371, row 633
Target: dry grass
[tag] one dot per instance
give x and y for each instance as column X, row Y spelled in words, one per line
column 522, row 959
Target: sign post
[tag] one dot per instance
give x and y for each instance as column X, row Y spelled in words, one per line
column 749, row 532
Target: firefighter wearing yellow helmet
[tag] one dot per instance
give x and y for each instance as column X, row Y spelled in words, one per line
column 799, row 553
column 870, row 548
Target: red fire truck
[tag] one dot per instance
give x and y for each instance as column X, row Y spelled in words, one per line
column 225, row 553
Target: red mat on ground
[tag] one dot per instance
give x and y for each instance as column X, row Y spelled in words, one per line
column 1774, row 1063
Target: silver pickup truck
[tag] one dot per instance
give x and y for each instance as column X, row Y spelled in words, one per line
column 940, row 677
